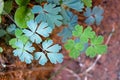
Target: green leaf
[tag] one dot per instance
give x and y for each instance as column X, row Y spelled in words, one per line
column 100, row 49
column 19, row 35
column 74, row 53
column 22, row 2
column 79, row 46
column 96, row 47
column 88, row 33
column 12, row 42
column 1, row 6
column 97, row 40
column 90, row 52
column 87, row 3
column 78, row 31
column 95, row 44
column 83, row 35
column 0, row 19
column 8, row 6
column 1, row 50
column 69, row 45
column 22, row 15
column 74, row 48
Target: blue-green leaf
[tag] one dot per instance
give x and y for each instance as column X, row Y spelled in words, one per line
column 23, row 51
column 94, row 15
column 49, row 14
column 55, row 57
column 70, row 20
column 36, row 30
column 74, row 4
column 11, row 29
column 41, row 57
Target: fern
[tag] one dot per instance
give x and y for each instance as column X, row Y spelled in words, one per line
column 52, row 51
column 49, row 14
column 94, row 15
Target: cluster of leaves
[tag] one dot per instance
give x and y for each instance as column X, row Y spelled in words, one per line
column 33, row 26
column 94, row 15
column 23, row 44
column 95, row 42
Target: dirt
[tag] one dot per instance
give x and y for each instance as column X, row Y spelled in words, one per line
column 107, row 68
